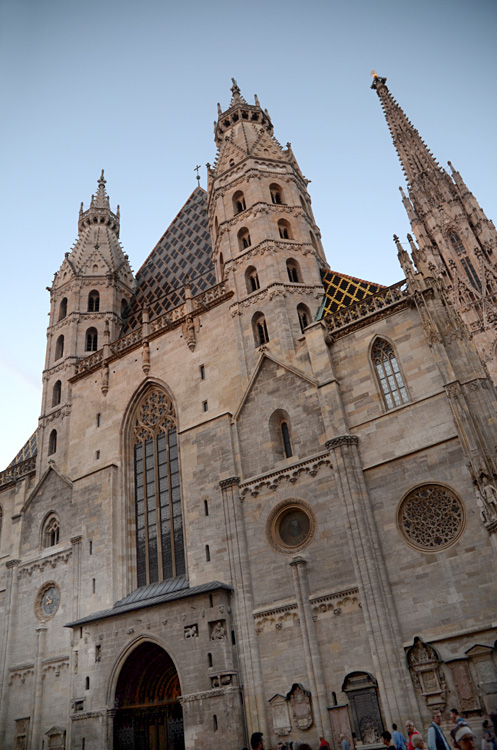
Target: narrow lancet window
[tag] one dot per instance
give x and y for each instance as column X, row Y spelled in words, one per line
column 389, row 376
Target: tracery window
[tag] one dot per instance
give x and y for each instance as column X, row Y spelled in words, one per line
column 389, row 376
column 159, row 520
column 431, row 517
column 456, row 243
column 93, row 301
column 51, row 531
column 91, row 340
column 471, row 273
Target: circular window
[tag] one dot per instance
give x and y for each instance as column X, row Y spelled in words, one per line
column 291, row 527
column 431, row 517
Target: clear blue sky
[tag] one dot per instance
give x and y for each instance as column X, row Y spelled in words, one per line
column 132, row 87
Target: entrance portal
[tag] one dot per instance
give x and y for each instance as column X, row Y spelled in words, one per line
column 149, row 715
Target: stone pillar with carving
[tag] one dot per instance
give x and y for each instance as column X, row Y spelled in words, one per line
column 378, row 605
column 8, row 635
column 311, row 649
column 255, row 705
column 41, row 632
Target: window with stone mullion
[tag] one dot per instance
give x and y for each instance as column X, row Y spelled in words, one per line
column 389, row 376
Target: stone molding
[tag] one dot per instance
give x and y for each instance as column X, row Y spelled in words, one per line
column 205, row 694
column 81, row 715
column 43, row 562
column 230, row 482
column 54, row 664
column 62, row 411
column 76, row 539
column 276, row 289
column 12, row 564
column 342, row 440
column 326, row 605
column 291, row 474
column 21, row 671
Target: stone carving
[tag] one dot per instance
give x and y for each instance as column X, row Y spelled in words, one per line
column 431, row 517
column 21, row 672
column 272, row 480
column 342, row 440
column 50, row 561
column 329, row 605
column 281, row 715
column 223, row 679
column 21, row 735
column 300, row 703
column 486, row 500
column 465, row 687
column 191, row 631
column 56, row 738
column 218, row 630
column 427, row 674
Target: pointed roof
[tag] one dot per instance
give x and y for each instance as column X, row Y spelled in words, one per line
column 184, row 250
column 415, row 157
column 342, row 291
column 97, row 250
column 240, row 111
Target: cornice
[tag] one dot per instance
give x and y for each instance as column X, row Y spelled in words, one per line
column 276, row 289
column 271, row 481
column 206, row 694
column 342, row 440
column 49, row 561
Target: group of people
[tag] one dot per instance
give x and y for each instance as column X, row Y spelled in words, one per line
column 462, row 737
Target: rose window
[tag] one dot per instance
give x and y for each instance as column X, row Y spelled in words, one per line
column 431, row 518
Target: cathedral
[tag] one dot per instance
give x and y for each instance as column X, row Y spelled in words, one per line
column 262, row 493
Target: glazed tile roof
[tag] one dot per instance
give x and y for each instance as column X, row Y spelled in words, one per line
column 151, row 595
column 183, row 250
column 341, row 291
column 28, row 450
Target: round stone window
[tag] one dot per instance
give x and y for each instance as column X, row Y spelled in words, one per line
column 431, row 518
column 291, row 527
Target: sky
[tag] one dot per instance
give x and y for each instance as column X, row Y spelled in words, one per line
column 132, row 87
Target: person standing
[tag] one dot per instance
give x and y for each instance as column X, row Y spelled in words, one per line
column 436, row 738
column 411, row 730
column 256, row 741
column 344, row 743
column 387, row 738
column 323, row 744
column 398, row 738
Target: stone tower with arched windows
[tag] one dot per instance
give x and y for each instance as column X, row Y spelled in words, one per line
column 88, row 296
column 455, row 240
column 266, row 243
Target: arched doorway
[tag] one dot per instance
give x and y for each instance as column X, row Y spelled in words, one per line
column 149, row 715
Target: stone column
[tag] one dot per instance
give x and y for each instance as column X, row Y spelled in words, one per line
column 311, row 648
column 41, row 632
column 111, row 713
column 76, row 574
column 256, row 705
column 378, row 606
column 8, row 637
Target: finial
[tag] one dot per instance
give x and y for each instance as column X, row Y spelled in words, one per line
column 102, row 179
column 219, row 110
column 195, row 169
column 256, row 99
column 235, row 90
column 377, row 79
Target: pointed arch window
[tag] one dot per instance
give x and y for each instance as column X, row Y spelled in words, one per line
column 59, row 347
column 456, row 243
column 51, row 531
column 52, row 443
column 239, row 204
column 259, row 327
column 56, row 393
column 471, row 273
column 276, row 194
column 389, row 376
column 285, row 230
column 63, row 308
column 244, row 238
column 91, row 340
column 159, row 520
column 293, row 270
column 304, row 316
column 252, row 279
column 93, row 301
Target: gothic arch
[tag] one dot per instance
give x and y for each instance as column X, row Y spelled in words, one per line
column 392, row 393
column 150, row 430
column 49, row 530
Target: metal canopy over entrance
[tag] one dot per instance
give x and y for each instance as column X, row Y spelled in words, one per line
column 149, row 715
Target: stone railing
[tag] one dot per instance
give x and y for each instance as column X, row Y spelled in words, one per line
column 172, row 318
column 17, row 471
column 370, row 305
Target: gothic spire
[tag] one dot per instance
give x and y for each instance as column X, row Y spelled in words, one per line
column 415, row 157
column 99, row 211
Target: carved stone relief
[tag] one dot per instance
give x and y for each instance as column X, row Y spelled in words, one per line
column 465, row 687
column 281, row 715
column 300, row 704
column 427, row 674
column 218, row 630
column 191, row 631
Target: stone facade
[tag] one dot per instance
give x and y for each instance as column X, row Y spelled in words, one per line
column 243, row 514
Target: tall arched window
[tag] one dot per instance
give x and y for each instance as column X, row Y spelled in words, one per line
column 51, row 531
column 221, row 266
column 91, row 340
column 456, row 243
column 59, row 347
column 243, row 238
column 284, row 229
column 52, row 442
column 293, row 270
column 93, row 301
column 389, row 376
column 259, row 328
column 56, row 393
column 63, row 308
column 239, row 204
column 304, row 316
column 281, row 434
column 252, row 279
column 159, row 522
column 285, row 438
column 276, row 194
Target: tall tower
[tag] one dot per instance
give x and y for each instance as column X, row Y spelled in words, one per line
column 266, row 243
column 457, row 242
column 87, row 298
